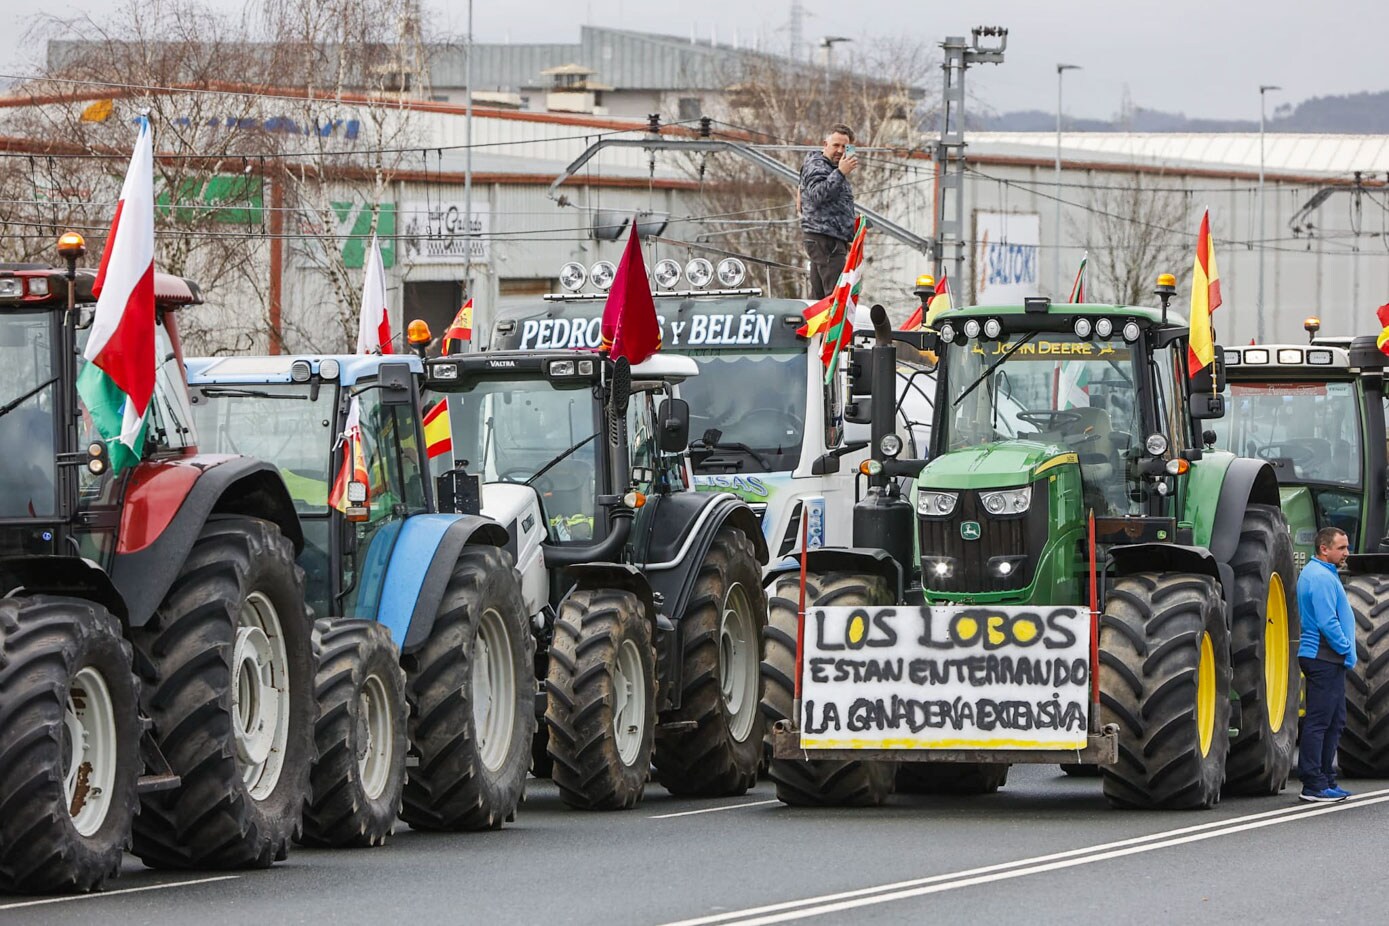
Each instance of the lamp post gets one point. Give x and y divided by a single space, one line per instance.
1061 69
1259 305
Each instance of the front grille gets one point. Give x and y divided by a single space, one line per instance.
1017 536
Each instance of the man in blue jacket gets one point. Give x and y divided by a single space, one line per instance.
1325 651
827 208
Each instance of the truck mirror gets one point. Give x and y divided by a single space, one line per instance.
859 411
861 371
1206 405
674 415
395 380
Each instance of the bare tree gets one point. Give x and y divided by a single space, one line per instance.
1138 229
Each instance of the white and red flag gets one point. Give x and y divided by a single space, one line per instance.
117 381
374 330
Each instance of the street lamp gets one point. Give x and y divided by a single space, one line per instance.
827 42
1259 305
1056 240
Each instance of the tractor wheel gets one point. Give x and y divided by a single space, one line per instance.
232 703
1364 751
69 745
951 777
816 782
1165 680
358 778
1264 631
721 639
601 708
472 697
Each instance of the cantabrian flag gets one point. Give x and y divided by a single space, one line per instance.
374 327
1078 287
816 317
1205 299
460 330
1383 339
438 432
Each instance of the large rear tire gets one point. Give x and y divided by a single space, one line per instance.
721 639
961 778
1264 631
816 782
232 703
69 745
472 694
1364 751
1165 680
601 708
359 776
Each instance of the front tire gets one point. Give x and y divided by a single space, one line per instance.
1165 680
601 708
817 782
1364 751
721 634
232 704
69 745
1264 631
473 700
359 776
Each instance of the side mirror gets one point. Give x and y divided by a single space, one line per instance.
860 410
395 380
1206 405
674 415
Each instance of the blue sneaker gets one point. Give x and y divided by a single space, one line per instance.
1324 796
1338 791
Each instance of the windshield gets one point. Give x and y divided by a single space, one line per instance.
1309 431
753 399
276 423
27 465
528 431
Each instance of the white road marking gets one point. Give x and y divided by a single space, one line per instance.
125 890
691 813
884 893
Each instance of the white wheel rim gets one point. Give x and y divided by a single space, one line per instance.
629 702
260 695
375 736
494 690
739 661
89 750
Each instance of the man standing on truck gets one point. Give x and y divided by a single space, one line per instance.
827 208
1325 652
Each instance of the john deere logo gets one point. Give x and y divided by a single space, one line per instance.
969 530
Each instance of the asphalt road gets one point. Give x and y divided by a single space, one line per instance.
1046 849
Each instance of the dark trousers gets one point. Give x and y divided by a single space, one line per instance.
827 257
1321 727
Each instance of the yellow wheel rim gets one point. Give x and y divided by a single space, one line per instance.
1205 695
1276 652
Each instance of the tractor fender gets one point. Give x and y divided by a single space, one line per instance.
863 560
1367 564
69 576
421 562
625 576
683 528
1133 558
1245 481
167 503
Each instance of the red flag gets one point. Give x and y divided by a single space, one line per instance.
630 328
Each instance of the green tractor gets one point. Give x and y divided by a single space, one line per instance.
1316 413
1072 506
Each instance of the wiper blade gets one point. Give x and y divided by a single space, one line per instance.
993 366
226 392
734 445
11 406
561 458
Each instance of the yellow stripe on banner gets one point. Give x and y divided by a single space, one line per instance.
1054 462
907 743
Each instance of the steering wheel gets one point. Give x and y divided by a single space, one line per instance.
1299 453
780 421
518 474
1043 420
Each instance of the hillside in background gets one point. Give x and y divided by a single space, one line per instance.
1351 114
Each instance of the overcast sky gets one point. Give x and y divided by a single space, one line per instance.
1199 57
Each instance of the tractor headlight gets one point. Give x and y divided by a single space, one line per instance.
938 567
572 276
890 445
1131 331
1007 501
699 272
947 333
936 504
1083 328
1156 445
300 371
731 272
992 329
1104 327
666 273
602 274
972 328
329 369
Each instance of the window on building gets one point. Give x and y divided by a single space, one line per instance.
690 108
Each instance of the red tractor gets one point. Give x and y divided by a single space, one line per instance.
155 653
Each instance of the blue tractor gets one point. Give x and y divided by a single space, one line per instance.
425 646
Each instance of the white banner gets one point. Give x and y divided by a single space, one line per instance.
1007 257
946 678
434 233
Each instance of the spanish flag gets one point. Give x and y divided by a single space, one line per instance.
1383 340
941 301
460 330
1205 299
816 317
438 432
354 461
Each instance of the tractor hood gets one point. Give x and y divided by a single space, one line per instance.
1005 463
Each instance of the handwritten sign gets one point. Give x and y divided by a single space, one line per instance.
946 678
748 329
